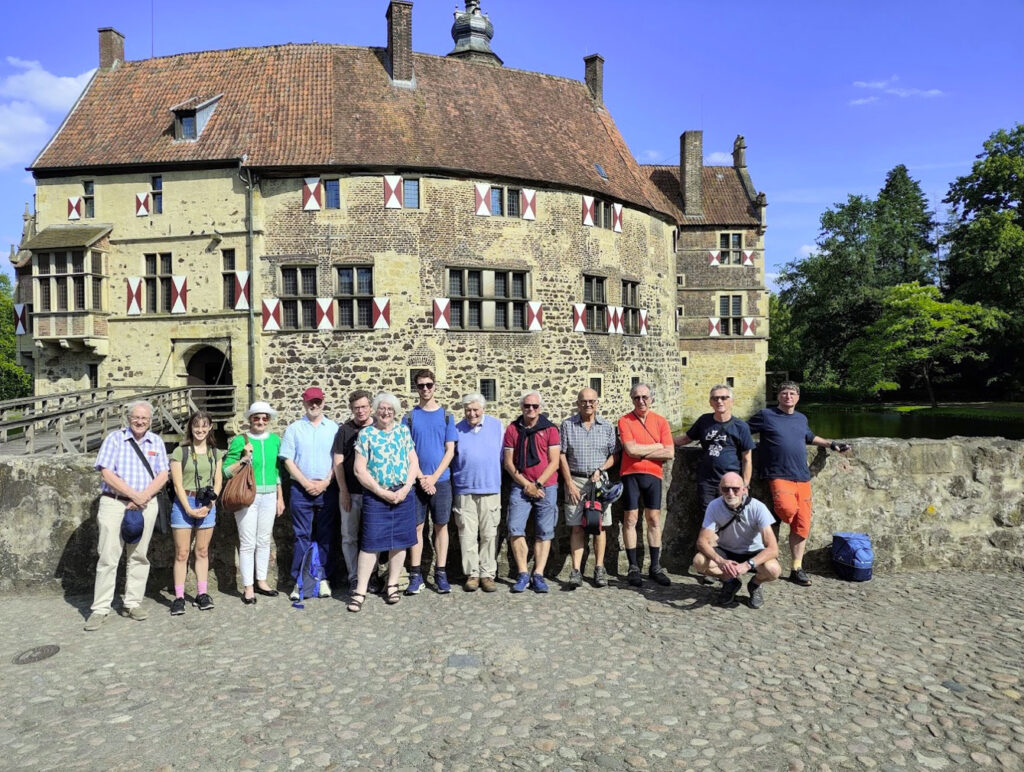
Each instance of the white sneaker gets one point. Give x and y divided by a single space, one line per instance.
294 595
325 589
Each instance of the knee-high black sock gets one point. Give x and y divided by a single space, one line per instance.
655 558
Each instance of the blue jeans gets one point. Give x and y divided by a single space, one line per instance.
545 510
315 517
439 505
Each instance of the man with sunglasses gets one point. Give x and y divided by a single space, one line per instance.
350 490
433 433
736 538
646 446
307 450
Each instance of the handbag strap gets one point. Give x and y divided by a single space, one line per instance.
142 456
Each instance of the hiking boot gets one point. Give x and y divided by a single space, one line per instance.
799 576
487 584
95 621
756 594
575 579
137 613
600 577
441 581
522 582
660 577
539 585
728 592
324 590
472 584
204 602
177 607
634 578
415 584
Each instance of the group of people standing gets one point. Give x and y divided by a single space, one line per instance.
368 488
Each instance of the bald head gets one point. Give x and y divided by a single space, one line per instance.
732 488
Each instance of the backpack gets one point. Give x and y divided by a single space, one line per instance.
311 572
852 556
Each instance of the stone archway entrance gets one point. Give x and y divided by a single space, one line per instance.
211 367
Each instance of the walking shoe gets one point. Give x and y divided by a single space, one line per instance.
487 584
324 590
95 621
204 601
600 577
441 581
658 575
472 584
294 596
177 607
138 613
539 585
756 594
728 592
375 585
799 576
415 584
634 578
575 579
521 583
701 579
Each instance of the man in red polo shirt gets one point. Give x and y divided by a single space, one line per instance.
646 446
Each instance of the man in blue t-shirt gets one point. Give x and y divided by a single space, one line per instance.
433 434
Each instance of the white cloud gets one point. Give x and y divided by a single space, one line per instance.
889 87
33 84
22 133
652 155
806 250
864 101
718 158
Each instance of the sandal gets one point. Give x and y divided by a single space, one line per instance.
392 595
355 603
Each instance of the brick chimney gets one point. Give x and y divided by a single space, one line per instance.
399 17
595 77
691 162
111 47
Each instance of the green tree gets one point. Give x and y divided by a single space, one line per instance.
905 250
14 381
917 337
785 351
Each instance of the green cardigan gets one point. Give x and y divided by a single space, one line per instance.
264 460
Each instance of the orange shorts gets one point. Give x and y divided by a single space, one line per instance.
792 505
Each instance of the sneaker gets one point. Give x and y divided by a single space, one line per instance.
294 596
658 575
204 601
756 594
95 621
521 583
600 577
728 592
487 584
575 579
539 585
799 576
324 590
138 613
177 607
634 578
472 584
441 581
415 584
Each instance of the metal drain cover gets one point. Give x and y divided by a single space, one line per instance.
38 654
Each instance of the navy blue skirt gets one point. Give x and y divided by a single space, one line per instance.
385 526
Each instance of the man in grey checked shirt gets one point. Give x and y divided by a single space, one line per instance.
589 446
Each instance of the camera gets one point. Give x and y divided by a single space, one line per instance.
206 496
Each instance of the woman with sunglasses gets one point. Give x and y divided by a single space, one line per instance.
258 446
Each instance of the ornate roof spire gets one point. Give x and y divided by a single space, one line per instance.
472 33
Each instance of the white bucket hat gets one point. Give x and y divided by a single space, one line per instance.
260 407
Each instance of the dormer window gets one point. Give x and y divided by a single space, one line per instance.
187 122
191 117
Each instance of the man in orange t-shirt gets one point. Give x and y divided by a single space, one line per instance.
646 446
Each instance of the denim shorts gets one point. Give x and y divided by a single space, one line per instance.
439 505
180 520
520 506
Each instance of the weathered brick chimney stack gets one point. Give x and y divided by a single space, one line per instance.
400 40
595 77
691 162
111 47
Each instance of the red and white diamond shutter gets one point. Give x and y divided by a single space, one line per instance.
20 318
579 317
142 204
714 257
614 318
134 284
588 210
392 191
271 314
179 294
534 315
714 327
643 321
617 218
482 199
749 326
748 257
442 314
242 291
75 208
325 313
312 194
528 203
381 313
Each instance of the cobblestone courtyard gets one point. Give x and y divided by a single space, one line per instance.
908 671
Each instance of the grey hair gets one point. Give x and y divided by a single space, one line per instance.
719 387
527 393
140 403
788 385
650 390
391 399
472 397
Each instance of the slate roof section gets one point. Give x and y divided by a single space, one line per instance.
66 237
725 199
318 106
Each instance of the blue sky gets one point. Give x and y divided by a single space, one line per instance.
829 95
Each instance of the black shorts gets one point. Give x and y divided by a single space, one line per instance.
641 488
737 557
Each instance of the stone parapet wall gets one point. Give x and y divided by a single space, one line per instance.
926 504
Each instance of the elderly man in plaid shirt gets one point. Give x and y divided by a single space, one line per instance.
128 484
589 447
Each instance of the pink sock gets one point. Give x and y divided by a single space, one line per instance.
179 591
201 588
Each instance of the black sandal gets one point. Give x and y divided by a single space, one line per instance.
355 604
392 596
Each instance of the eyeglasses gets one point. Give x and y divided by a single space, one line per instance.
642 398
530 406
730 489
314 402
586 402
720 398
259 418
424 386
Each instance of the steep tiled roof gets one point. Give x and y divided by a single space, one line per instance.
725 199
317 106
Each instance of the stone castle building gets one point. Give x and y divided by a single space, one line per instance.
323 214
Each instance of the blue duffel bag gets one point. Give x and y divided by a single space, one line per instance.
852 556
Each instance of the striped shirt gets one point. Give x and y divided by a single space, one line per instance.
587 449
118 455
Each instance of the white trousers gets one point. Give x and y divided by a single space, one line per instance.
255 527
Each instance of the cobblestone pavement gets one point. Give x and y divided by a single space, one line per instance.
908 671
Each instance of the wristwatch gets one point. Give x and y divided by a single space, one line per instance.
752 564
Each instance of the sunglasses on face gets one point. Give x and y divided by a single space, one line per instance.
721 398
730 489
423 386
314 402
260 418
530 406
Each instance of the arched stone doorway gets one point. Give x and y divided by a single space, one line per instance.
211 367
